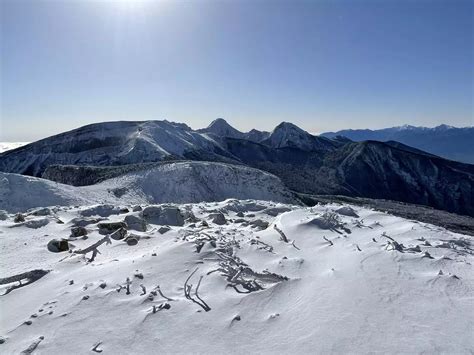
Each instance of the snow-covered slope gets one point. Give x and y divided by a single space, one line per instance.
235 277
174 182
4 146
111 143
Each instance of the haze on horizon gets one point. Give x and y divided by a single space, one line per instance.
322 65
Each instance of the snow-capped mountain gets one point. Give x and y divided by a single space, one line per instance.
220 128
445 141
112 143
179 182
232 277
305 163
288 135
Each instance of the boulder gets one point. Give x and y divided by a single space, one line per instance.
110 227
82 222
45 211
78 231
119 234
58 245
100 210
218 218
258 223
3 215
164 229
19 218
163 215
135 223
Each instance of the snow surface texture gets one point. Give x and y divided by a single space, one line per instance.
175 182
4 146
237 277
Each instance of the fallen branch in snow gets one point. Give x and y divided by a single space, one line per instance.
238 273
283 236
262 245
294 245
327 240
93 248
96 347
384 234
29 276
188 289
157 288
33 346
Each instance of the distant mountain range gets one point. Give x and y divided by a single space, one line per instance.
445 141
306 163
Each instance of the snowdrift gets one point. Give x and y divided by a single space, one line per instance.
233 277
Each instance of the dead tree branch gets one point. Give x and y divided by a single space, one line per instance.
188 289
282 235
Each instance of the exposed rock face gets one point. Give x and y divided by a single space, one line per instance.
166 215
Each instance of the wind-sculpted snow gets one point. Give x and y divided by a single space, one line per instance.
174 182
328 279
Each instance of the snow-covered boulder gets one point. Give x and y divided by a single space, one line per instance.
136 223
163 215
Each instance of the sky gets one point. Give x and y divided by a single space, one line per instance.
323 65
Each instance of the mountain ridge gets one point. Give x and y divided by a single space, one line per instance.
449 142
306 163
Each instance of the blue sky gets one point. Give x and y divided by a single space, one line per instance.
323 65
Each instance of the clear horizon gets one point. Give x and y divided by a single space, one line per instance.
322 65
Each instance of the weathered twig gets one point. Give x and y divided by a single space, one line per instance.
282 235
327 240
188 290
96 347
294 245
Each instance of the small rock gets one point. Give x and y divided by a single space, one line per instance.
58 245
85 297
131 241
78 231
164 229
19 218
137 208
